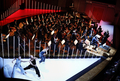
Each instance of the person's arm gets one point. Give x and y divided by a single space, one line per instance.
13 60
45 50
32 63
35 58
24 61
45 54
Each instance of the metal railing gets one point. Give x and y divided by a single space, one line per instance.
11 47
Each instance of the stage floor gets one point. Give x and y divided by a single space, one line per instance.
53 69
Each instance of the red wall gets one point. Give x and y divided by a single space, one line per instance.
79 5
100 12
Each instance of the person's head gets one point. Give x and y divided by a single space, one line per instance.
19 57
99 26
107 31
91 28
31 56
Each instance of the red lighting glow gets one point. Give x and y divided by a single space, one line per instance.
24 13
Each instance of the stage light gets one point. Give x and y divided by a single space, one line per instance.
75 42
52 32
49 43
63 41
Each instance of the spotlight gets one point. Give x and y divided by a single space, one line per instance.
63 41
49 43
75 42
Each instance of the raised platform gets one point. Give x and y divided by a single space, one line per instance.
56 69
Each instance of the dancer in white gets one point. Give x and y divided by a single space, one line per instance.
18 65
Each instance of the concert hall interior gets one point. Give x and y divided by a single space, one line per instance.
63 40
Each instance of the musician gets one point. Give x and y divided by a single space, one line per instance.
59 33
38 18
30 27
67 44
19 32
51 20
82 23
46 16
42 16
63 17
105 36
80 45
46 30
39 22
40 36
27 21
85 36
47 21
31 19
66 14
62 21
24 28
75 16
42 55
18 65
74 34
59 21
66 21
54 41
42 22
33 65
95 41
99 31
78 21
35 29
86 31
15 24
73 13
91 34
35 19
69 20
55 15
6 29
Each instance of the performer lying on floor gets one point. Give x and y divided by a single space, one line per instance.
33 65
42 53
18 65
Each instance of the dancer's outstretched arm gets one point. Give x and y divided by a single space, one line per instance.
24 61
13 60
35 58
